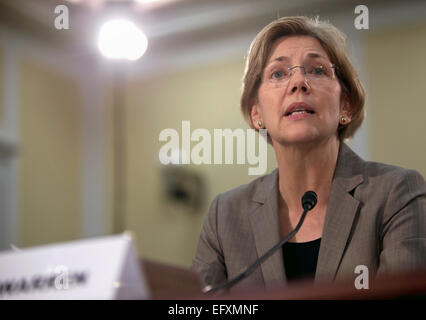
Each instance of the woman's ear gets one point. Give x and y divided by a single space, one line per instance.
346 110
256 116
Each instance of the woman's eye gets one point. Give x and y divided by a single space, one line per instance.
319 71
277 74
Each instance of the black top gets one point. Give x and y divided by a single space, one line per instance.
300 259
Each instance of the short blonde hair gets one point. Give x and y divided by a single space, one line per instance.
334 43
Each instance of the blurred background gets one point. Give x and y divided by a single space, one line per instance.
79 133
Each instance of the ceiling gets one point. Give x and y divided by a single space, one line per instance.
171 25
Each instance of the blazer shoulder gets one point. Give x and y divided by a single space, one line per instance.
393 182
390 172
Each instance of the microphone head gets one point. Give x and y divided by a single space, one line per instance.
309 200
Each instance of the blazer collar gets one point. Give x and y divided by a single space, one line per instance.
341 212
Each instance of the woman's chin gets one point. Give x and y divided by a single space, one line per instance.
299 137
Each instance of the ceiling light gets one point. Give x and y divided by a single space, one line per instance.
122 39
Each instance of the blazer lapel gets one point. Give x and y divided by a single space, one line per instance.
341 212
265 226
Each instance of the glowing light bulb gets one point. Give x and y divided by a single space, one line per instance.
122 39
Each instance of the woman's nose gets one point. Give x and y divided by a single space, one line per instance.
304 87
298 81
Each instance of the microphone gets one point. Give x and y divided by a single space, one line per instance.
309 200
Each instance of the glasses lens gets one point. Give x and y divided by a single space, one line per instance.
319 71
277 74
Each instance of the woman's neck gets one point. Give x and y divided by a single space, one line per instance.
306 167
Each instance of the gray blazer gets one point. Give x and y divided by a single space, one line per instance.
376 216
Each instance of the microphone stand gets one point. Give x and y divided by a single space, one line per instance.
254 265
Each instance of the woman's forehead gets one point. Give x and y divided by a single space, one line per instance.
285 48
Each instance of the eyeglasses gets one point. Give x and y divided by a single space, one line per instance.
280 74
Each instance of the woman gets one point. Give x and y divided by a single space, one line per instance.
299 84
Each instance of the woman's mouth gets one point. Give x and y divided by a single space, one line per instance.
299 110
298 115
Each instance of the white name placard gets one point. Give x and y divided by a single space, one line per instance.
100 268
